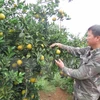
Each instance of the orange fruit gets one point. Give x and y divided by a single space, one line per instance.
15 5
42 57
19 62
58 51
25 99
20 47
1 34
11 30
32 96
54 18
23 92
2 16
32 80
62 15
37 16
60 11
29 46
14 65
43 20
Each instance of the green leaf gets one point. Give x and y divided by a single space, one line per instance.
1 3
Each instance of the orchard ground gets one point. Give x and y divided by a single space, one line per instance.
58 94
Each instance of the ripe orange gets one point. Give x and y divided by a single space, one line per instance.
37 16
54 18
32 96
42 57
15 5
29 46
32 80
62 15
60 11
14 65
2 16
20 47
58 51
19 62
25 99
11 30
1 34
23 92
43 20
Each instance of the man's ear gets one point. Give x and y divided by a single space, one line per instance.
98 37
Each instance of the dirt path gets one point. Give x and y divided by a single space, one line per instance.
58 94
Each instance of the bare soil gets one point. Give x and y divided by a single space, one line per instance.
58 94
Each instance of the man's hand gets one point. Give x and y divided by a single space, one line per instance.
59 63
55 44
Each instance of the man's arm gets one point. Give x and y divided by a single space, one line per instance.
76 51
84 72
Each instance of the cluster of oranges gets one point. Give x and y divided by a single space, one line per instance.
23 92
29 47
19 63
2 17
21 47
61 12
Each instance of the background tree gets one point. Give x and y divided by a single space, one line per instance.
25 37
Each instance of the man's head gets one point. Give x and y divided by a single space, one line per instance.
95 30
93 36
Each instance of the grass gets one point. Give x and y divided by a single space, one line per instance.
43 84
65 83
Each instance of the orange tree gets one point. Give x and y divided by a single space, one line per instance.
25 36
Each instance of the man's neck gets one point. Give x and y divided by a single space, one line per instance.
96 46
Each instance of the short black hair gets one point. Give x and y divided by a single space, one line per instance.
95 30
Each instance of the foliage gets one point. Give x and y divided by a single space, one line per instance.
57 81
63 81
43 84
67 84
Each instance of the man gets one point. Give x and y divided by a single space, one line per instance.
87 76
